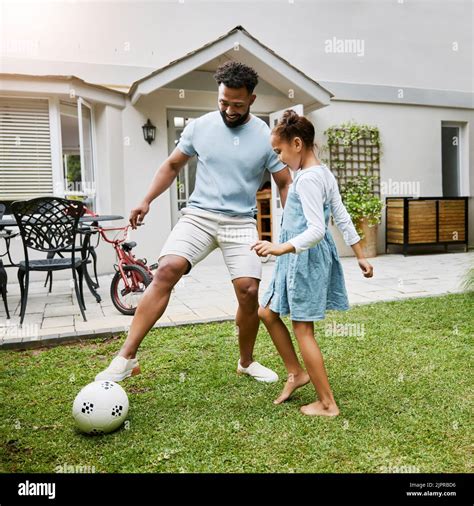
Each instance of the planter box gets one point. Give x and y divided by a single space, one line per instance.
369 242
426 221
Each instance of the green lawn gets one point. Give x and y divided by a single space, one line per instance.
404 391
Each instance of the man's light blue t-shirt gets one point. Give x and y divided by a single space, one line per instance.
231 163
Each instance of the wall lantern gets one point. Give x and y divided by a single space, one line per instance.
149 131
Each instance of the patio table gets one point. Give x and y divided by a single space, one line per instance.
86 219
11 222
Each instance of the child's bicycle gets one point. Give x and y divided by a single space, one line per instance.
132 275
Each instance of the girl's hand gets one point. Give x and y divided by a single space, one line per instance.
265 248
367 269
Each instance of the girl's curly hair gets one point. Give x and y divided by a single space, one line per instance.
236 75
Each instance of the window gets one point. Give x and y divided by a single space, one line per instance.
77 154
71 153
25 149
26 167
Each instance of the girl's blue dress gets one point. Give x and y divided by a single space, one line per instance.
307 284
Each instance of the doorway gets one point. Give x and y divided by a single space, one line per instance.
450 160
183 185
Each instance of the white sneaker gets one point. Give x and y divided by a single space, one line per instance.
119 369
259 372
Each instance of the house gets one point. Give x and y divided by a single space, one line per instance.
50 123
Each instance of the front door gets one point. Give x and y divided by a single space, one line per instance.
450 160
183 185
277 209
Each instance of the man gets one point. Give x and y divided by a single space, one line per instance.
233 149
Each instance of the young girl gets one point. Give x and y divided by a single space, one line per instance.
308 277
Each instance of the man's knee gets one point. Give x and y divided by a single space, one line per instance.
247 293
170 270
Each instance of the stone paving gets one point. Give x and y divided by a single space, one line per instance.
207 295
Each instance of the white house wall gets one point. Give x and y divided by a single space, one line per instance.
409 43
141 161
109 176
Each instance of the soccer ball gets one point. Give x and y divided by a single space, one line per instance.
100 407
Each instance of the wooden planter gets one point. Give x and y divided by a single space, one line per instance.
426 221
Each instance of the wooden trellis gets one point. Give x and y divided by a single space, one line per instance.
361 157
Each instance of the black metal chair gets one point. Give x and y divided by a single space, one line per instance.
3 273
87 250
49 224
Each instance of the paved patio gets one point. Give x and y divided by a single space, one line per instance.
207 295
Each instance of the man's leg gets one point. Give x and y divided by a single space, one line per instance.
247 320
154 301
235 236
151 306
191 240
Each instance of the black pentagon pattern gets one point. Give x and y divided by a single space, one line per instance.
117 410
97 432
106 385
87 408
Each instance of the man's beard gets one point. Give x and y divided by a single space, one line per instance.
242 119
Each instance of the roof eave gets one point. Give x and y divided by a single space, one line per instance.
63 85
237 39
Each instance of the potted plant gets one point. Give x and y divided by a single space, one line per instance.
365 209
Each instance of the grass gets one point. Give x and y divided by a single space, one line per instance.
403 389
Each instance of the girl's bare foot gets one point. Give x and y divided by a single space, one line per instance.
317 408
293 382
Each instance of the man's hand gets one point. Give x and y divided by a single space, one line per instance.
265 248
137 215
162 180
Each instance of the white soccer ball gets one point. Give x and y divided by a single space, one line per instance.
100 407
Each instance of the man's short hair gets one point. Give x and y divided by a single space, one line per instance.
236 75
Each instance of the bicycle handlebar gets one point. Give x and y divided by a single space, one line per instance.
103 230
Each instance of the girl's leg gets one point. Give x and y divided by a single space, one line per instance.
297 376
313 359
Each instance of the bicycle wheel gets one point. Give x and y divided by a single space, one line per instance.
126 295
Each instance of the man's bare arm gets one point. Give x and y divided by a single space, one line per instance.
283 180
162 180
166 174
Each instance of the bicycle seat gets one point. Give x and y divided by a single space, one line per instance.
128 246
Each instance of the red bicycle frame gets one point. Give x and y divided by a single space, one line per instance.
124 257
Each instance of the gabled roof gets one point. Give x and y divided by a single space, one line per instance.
239 45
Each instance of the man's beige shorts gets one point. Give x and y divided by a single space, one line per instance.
199 232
